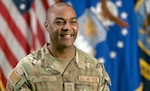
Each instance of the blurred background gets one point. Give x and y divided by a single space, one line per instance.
116 32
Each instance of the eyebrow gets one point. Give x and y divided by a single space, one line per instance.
64 19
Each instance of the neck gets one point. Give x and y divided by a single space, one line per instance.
62 52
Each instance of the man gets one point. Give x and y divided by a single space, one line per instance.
59 65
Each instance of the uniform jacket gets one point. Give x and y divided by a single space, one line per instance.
40 71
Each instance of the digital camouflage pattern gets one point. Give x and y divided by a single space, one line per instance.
40 71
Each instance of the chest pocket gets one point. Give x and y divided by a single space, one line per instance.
46 83
84 80
87 83
87 80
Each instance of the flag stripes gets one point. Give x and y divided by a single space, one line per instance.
21 32
11 58
14 29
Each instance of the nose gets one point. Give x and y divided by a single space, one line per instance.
67 26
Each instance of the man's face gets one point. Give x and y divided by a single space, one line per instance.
62 26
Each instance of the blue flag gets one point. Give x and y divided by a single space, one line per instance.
122 55
107 30
143 23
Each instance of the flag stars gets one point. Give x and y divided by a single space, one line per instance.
22 6
113 54
124 32
118 3
101 60
124 15
120 44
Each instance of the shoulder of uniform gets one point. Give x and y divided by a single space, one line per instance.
35 56
87 60
15 78
25 66
104 73
87 56
91 62
32 58
28 63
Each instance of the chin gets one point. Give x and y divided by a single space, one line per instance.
67 45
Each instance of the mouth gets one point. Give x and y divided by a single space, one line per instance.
66 36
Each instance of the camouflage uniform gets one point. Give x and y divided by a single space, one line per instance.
40 71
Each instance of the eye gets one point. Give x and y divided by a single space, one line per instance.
73 22
59 22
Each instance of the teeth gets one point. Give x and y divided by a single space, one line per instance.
67 35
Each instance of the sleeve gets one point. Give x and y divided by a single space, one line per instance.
105 79
16 80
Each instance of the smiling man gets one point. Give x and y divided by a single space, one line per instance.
62 27
59 65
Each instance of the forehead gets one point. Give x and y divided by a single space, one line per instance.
60 5
62 10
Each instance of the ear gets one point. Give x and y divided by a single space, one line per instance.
46 26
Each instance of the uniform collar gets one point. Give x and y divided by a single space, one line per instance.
50 62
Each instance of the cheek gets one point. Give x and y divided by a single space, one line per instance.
55 28
54 32
76 29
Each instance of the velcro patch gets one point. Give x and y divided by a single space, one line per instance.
19 71
69 86
88 78
14 77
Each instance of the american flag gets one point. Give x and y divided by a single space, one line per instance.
21 31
